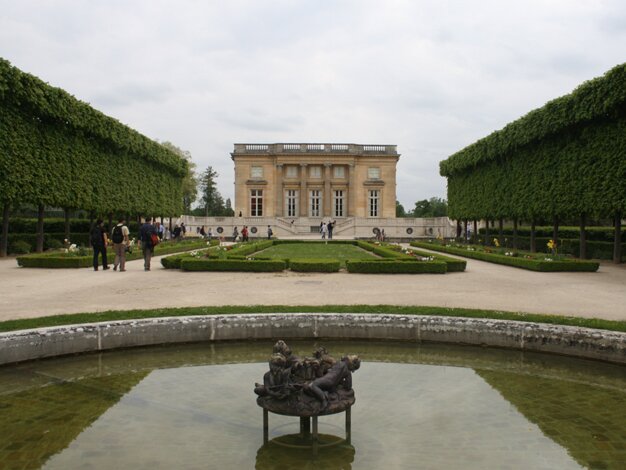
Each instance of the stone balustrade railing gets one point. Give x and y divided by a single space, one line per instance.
357 149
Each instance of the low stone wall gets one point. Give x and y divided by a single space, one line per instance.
567 340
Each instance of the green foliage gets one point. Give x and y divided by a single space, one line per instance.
454 264
315 265
383 251
60 152
59 259
190 181
433 207
197 264
564 159
19 247
212 202
244 249
400 211
396 267
532 264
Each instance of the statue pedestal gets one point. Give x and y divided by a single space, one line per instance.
308 420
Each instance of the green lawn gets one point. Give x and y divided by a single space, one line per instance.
316 250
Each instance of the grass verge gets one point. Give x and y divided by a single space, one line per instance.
114 315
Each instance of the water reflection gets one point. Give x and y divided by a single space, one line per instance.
275 456
192 406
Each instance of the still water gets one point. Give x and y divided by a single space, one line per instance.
426 406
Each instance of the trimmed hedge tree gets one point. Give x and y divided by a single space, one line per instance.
58 151
566 159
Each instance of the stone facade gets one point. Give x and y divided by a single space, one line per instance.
315 181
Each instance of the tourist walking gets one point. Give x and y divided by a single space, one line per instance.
98 241
177 231
210 233
330 226
183 229
235 234
202 232
119 236
324 230
146 240
269 232
244 233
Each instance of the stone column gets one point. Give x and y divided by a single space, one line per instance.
278 209
327 196
351 190
303 191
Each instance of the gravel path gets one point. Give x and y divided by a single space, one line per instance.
27 292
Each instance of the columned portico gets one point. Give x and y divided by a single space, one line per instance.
315 181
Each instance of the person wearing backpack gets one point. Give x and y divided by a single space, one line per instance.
119 236
97 239
147 241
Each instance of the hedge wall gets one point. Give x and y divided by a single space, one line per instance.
518 262
315 265
396 267
564 160
197 264
58 151
454 264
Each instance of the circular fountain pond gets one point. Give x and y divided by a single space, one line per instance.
417 405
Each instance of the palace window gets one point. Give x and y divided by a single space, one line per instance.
338 203
339 172
315 172
256 172
292 203
373 200
292 171
314 206
256 202
373 173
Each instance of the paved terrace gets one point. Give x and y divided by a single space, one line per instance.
28 292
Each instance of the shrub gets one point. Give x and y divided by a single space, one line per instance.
315 265
20 247
519 262
206 264
54 244
454 265
396 267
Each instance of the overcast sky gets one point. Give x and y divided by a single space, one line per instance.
429 76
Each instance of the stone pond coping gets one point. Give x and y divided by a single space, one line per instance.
24 345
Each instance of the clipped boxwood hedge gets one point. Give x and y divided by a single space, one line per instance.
518 262
396 267
207 264
315 265
454 264
60 260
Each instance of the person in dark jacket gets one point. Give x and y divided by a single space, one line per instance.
98 242
145 239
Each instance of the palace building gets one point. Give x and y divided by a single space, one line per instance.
315 180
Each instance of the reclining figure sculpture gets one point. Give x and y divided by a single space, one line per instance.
307 386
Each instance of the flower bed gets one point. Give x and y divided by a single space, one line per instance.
531 261
454 264
83 258
250 257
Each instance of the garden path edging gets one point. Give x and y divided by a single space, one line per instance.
24 345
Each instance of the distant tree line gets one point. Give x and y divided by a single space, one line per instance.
433 207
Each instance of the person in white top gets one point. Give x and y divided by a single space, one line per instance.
324 230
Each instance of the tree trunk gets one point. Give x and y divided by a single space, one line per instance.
487 233
39 247
66 213
617 241
170 224
555 231
465 230
475 232
501 231
4 239
533 242
515 233
583 237
458 229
